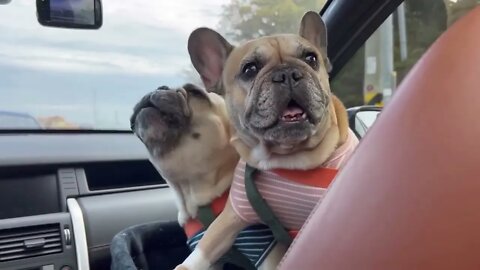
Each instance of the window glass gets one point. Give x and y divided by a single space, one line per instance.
12 121
379 66
84 79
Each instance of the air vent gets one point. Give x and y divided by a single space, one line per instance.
26 242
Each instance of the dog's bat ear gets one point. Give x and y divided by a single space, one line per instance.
208 52
313 29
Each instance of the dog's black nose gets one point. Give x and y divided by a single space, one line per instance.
279 76
287 75
296 75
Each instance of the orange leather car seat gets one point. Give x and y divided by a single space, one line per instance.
409 198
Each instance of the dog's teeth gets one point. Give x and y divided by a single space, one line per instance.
294 117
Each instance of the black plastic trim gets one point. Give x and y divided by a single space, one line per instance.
350 24
101 176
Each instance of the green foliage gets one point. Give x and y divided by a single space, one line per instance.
459 8
426 20
348 84
247 19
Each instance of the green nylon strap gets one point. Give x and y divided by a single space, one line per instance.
206 216
263 210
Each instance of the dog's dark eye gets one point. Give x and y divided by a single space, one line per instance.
311 59
249 70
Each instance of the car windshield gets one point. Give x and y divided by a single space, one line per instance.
52 78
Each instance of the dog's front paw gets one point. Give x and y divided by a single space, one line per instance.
191 208
182 217
195 261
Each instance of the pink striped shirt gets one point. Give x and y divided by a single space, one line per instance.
291 201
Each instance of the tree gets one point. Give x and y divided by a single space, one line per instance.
426 20
246 19
459 8
192 76
348 84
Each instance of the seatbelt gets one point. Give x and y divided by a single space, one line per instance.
206 216
263 210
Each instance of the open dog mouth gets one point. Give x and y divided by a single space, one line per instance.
293 113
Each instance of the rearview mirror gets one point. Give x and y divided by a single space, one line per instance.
78 14
362 118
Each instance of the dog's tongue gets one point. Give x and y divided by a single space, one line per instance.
293 114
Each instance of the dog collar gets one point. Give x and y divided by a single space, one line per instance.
205 216
319 177
193 226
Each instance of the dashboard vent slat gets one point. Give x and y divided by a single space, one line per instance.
29 237
16 243
15 234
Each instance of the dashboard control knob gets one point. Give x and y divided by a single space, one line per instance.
68 238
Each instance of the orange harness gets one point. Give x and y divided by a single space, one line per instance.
317 178
193 226
320 177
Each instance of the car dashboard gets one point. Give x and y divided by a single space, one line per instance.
63 196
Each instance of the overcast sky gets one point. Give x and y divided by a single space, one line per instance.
142 45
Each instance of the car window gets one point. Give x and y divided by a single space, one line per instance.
15 120
91 79
372 75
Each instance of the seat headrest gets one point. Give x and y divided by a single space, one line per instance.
409 198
